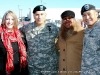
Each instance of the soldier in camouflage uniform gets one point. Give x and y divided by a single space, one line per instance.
40 36
91 48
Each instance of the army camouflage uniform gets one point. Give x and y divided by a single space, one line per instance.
42 54
91 51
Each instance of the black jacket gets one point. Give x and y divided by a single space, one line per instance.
3 57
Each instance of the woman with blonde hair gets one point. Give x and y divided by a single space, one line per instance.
13 58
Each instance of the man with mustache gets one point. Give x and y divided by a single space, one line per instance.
91 47
70 44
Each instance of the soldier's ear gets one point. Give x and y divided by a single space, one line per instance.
45 14
97 13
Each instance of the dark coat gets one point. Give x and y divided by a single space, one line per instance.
3 57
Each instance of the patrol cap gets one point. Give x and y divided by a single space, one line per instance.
87 7
68 13
39 8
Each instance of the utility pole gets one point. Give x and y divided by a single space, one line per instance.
21 14
41 2
19 11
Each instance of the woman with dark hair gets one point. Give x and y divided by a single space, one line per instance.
13 58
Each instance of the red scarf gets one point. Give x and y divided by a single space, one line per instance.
7 38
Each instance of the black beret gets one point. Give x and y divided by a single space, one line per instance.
68 13
39 8
87 7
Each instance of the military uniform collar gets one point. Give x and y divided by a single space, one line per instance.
38 26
